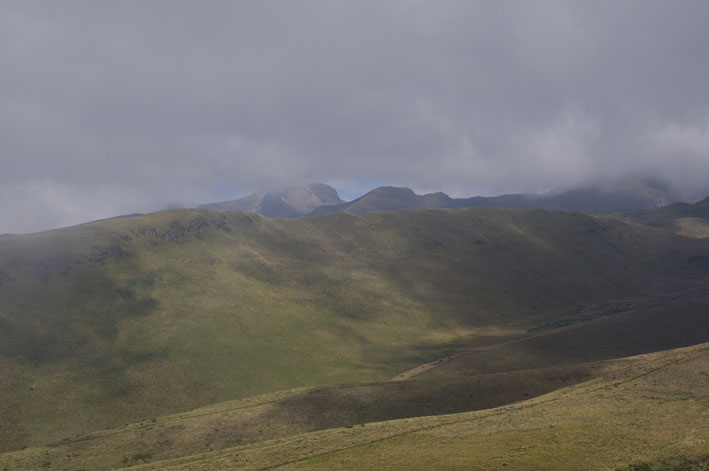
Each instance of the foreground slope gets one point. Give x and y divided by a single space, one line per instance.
638 409
132 318
287 413
515 367
657 407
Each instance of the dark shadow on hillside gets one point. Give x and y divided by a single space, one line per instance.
676 319
337 406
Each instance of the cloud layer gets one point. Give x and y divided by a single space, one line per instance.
114 107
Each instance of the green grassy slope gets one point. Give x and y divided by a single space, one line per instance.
648 408
279 415
132 318
457 384
654 409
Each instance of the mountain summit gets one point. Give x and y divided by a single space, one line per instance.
290 202
316 199
613 197
389 198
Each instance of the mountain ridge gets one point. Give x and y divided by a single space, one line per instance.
315 199
388 198
291 202
691 220
621 197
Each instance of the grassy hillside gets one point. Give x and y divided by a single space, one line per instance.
614 414
133 318
287 413
653 410
690 220
460 383
616 329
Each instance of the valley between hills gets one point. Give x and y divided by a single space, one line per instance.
471 338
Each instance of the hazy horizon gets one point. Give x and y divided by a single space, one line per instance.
121 107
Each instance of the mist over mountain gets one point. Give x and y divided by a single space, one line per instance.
289 202
389 198
123 108
617 196
691 220
317 199
505 264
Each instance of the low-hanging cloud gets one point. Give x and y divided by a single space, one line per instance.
115 107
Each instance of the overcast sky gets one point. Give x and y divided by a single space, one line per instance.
111 107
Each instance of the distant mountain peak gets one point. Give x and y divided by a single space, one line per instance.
287 202
704 202
392 190
389 198
314 199
616 196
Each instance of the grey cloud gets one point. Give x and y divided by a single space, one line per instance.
143 103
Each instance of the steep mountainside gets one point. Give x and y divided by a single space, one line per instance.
289 203
131 318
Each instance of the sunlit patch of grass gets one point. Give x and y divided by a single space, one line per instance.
146 316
